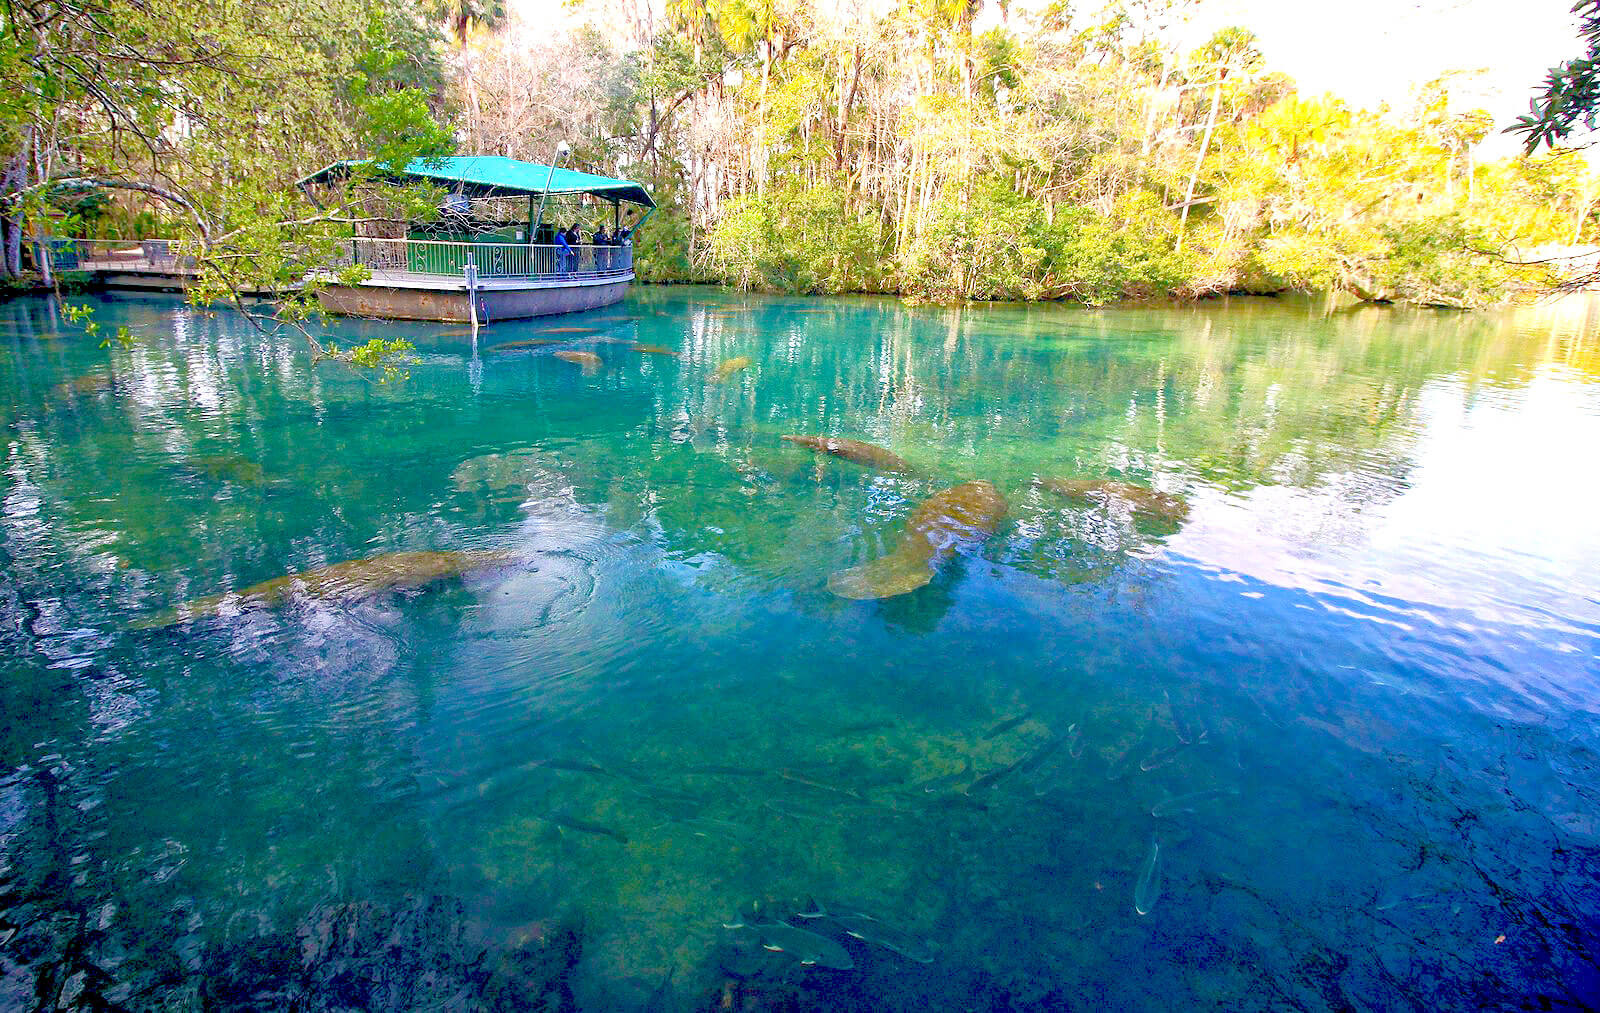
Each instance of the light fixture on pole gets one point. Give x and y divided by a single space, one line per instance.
562 151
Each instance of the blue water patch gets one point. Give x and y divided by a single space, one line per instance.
522 683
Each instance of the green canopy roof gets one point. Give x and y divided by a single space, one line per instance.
498 176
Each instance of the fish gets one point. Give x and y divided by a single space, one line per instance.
588 360
1007 725
993 777
1162 757
1149 503
1022 764
730 367
862 453
1038 756
958 800
576 766
791 776
1074 741
512 346
806 947
654 350
873 930
584 827
724 770
958 518
1126 761
947 781
1148 889
352 580
1187 803
1189 728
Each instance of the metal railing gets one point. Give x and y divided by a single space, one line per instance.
136 255
493 260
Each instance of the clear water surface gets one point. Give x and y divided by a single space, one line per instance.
1325 737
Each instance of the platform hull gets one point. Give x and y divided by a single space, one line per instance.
499 300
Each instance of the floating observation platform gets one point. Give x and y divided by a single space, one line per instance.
477 263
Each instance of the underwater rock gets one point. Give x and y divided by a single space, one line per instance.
588 360
867 454
730 367
943 524
352 580
1150 503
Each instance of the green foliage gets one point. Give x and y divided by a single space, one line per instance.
1571 92
796 238
387 358
1002 245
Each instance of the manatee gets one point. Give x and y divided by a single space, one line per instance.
513 346
943 524
514 469
234 467
730 367
588 360
88 384
569 330
654 350
352 580
1150 503
870 455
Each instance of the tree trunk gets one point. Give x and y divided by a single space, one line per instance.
1194 177
11 220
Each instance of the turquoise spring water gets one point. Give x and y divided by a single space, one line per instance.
1322 736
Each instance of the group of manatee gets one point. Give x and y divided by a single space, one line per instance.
955 519
959 518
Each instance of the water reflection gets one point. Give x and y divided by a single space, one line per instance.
1274 589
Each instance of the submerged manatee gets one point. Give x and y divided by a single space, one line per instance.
653 350
513 346
867 454
943 524
1155 505
511 469
232 467
730 367
588 360
88 385
352 580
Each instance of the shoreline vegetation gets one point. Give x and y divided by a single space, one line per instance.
937 151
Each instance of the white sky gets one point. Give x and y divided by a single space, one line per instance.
1371 51
1366 51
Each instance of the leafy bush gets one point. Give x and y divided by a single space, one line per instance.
1001 246
796 238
